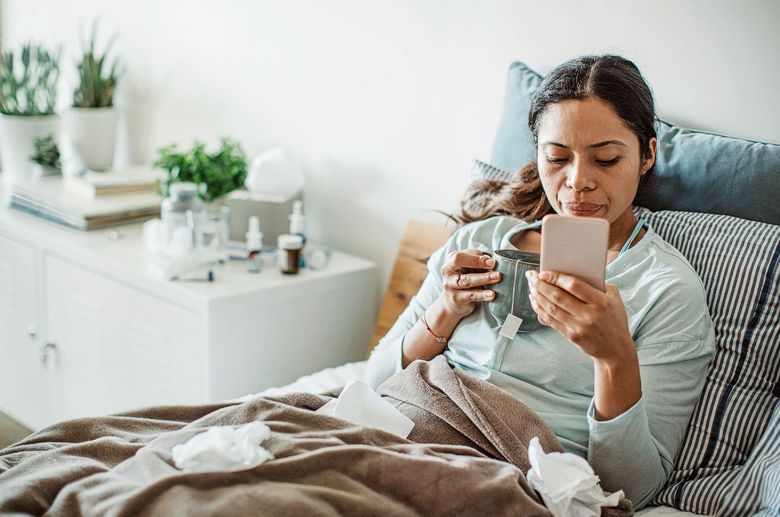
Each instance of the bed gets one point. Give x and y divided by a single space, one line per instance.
122 464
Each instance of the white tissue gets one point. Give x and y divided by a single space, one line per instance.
361 405
272 173
567 483
224 448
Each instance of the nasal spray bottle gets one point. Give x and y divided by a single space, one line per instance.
298 225
254 243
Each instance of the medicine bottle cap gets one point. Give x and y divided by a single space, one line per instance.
254 237
288 241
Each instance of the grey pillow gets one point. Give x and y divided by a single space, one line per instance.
695 171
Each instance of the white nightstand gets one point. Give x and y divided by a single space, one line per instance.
86 329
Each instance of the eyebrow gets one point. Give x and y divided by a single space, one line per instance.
593 146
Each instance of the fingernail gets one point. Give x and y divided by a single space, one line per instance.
544 275
494 276
490 262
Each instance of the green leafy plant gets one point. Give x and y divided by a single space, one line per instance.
31 88
46 152
97 79
217 174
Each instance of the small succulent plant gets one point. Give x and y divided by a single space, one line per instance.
46 152
97 78
31 88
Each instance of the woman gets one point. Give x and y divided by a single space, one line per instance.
615 374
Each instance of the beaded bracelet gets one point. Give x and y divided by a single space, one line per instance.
439 339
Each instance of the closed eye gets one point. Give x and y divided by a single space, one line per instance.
608 163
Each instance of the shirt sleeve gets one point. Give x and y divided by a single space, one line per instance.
635 451
385 359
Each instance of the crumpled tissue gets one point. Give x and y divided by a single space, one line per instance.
224 448
567 483
361 405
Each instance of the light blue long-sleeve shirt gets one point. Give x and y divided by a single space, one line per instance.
669 323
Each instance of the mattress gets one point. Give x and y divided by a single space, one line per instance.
332 378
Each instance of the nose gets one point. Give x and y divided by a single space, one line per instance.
579 176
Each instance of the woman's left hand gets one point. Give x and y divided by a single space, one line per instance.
595 321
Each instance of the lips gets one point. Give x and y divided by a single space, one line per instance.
582 209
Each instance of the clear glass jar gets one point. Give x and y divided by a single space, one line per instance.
182 209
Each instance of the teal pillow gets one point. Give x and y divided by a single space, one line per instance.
513 145
695 171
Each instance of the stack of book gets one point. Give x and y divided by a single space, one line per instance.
89 201
95 184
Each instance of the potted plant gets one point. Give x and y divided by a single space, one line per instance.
28 93
46 157
217 174
91 122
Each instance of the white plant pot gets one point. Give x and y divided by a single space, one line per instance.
92 134
17 142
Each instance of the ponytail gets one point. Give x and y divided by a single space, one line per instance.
522 197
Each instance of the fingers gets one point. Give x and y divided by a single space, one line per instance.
542 304
571 284
470 280
464 296
545 318
460 261
553 296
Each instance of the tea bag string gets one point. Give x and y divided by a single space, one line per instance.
514 288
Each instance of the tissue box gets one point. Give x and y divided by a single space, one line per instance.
273 211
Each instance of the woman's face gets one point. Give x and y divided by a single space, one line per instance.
589 163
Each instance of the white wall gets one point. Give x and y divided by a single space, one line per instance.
386 102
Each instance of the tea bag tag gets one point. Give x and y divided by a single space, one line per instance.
511 325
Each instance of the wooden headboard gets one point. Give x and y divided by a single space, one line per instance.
419 241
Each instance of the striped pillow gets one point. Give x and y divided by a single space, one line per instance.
739 263
484 171
756 490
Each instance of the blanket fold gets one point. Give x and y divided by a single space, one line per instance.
466 456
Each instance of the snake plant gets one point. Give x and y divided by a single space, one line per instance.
31 88
97 78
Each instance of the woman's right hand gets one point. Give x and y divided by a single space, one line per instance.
463 275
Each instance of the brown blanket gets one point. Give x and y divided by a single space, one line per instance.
467 455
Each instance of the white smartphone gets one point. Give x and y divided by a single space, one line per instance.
577 246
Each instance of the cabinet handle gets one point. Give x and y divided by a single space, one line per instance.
49 348
31 330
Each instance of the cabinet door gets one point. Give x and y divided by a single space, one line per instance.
22 374
118 348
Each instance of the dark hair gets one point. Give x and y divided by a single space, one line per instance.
613 79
